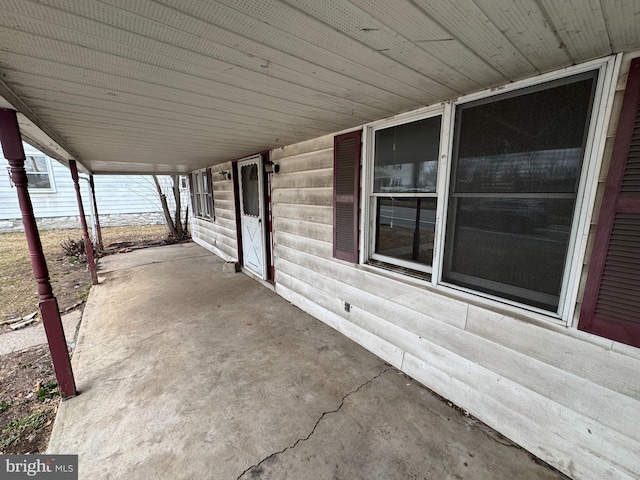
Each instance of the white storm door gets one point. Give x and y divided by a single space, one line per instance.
251 215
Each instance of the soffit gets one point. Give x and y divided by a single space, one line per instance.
143 86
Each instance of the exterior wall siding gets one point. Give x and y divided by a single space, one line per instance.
571 398
219 236
122 200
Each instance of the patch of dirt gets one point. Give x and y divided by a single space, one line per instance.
29 395
69 275
28 401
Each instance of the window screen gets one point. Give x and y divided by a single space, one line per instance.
515 173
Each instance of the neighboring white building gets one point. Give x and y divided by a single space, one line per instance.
122 199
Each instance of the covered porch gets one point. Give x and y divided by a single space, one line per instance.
189 370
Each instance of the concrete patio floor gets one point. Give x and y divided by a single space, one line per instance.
187 370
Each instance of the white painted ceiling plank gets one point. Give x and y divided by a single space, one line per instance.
623 19
221 19
269 23
152 92
581 26
74 55
95 35
420 28
524 24
65 103
474 29
75 121
392 44
213 133
222 95
347 30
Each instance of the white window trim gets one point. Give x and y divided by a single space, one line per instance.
198 207
369 195
602 107
47 159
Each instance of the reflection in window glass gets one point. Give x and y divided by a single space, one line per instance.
37 172
250 190
406 157
405 228
516 167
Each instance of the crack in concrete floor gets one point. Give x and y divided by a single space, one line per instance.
324 414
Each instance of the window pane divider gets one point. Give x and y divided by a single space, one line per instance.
404 195
515 195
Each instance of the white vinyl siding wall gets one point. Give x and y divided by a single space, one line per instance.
119 198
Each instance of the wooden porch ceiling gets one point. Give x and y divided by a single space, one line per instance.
140 86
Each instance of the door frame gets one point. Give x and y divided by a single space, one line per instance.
266 205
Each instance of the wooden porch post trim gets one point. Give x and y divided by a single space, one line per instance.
95 212
88 245
11 141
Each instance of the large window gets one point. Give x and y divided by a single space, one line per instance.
516 167
483 195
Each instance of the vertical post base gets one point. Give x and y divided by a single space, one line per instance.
58 347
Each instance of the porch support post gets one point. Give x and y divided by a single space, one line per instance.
95 211
12 147
88 245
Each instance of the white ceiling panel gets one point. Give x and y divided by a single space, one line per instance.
174 85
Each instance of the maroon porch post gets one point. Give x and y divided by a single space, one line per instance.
95 212
12 147
88 245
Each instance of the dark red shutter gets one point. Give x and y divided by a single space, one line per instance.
611 306
212 214
192 193
346 186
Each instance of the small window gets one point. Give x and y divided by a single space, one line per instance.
404 196
250 197
38 168
202 194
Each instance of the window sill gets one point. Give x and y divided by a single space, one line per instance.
423 280
39 191
403 271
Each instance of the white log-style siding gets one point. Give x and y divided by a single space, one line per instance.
571 398
219 235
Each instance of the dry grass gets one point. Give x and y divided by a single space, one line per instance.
70 279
